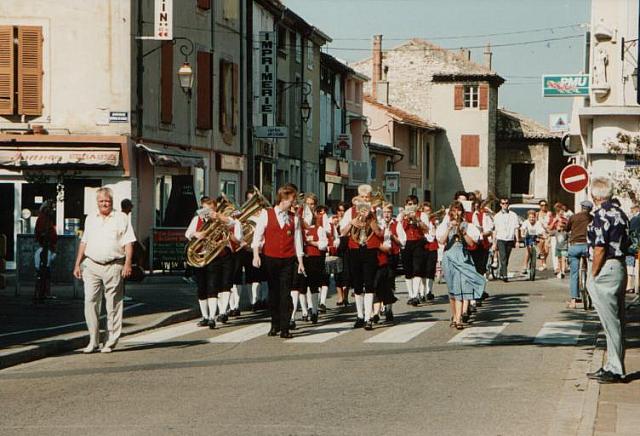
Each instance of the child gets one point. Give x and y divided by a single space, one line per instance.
532 230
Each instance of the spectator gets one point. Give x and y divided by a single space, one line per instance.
544 217
607 237
578 248
505 236
126 206
634 232
561 242
47 238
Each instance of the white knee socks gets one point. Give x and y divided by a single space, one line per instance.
409 287
234 300
204 309
213 307
323 294
223 302
417 286
314 302
294 296
368 306
303 304
255 287
429 286
360 305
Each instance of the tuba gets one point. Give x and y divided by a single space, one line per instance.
201 252
250 208
362 234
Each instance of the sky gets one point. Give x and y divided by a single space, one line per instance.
552 31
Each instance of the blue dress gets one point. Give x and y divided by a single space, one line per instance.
462 279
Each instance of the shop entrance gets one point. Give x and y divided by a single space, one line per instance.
6 216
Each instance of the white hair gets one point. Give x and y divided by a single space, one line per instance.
104 191
601 188
364 190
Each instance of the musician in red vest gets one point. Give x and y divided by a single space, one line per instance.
278 233
315 250
431 253
411 233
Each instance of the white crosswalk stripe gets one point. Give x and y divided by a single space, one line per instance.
322 333
478 335
243 334
163 335
402 333
559 333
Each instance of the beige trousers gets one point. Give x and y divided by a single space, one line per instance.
98 280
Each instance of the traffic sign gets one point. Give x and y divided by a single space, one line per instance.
574 178
343 141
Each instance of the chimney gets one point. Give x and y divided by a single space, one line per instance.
376 75
487 55
465 53
382 88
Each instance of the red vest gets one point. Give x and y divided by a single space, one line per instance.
433 245
484 242
374 241
333 251
312 250
468 217
393 228
413 233
351 243
383 258
279 242
199 224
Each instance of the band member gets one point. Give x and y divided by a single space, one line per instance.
224 297
431 253
315 248
411 233
321 213
215 277
342 289
385 275
278 232
365 238
483 221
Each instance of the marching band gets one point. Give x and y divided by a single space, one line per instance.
296 247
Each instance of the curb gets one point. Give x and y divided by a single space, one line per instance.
51 347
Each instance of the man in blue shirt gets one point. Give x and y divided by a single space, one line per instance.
608 239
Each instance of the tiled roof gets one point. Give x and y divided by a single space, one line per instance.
384 148
512 125
401 115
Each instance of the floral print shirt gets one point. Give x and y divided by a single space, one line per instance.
609 229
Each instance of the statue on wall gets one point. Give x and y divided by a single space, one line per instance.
600 61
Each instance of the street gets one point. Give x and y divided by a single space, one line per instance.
502 375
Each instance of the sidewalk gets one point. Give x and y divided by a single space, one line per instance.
619 404
31 331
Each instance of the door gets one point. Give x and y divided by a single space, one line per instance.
7 202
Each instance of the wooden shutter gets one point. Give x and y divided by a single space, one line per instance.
204 107
204 4
484 97
166 82
6 70
235 98
222 107
470 151
458 97
29 70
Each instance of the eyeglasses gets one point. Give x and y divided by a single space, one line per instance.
504 202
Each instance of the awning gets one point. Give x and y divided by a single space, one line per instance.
171 156
30 156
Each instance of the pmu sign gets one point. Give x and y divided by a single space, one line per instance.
267 73
565 85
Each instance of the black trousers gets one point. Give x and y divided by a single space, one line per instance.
314 267
382 285
504 249
480 257
413 259
363 263
393 270
215 277
279 274
243 262
430 263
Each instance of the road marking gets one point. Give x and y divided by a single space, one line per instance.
559 333
57 327
243 334
478 335
402 333
165 334
322 333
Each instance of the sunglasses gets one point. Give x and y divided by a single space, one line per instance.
504 202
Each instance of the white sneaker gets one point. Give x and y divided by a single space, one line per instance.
559 275
91 348
106 349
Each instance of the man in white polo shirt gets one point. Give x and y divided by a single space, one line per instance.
105 253
505 235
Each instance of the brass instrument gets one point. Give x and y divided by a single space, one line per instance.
361 234
250 208
201 252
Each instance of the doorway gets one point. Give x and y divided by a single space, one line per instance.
7 201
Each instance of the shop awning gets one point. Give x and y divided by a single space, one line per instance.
29 156
171 156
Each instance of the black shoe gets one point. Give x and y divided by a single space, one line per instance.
608 377
430 297
223 318
203 322
305 317
415 302
286 334
465 318
368 325
479 303
359 323
505 279
254 308
423 299
212 323
596 375
292 325
375 319
484 295
410 301
314 318
274 331
323 308
345 303
388 316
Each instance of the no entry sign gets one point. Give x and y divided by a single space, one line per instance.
574 178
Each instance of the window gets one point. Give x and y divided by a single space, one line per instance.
470 150
281 105
228 100
310 121
521 178
373 167
282 42
310 58
298 44
204 102
471 96
166 82
413 147
389 165
427 160
230 9
205 5
21 68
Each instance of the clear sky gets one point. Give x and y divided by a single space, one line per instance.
351 24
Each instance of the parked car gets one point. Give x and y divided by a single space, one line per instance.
521 209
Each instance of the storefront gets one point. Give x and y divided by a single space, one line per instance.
264 168
336 177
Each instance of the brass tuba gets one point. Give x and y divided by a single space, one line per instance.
201 252
250 208
362 234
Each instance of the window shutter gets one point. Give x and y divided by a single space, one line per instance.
470 151
223 96
458 98
204 4
166 82
484 97
29 70
235 98
6 70
204 118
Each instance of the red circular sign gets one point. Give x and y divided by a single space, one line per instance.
574 178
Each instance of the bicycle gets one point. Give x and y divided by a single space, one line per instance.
582 284
492 267
533 257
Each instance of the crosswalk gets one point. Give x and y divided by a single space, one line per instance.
553 333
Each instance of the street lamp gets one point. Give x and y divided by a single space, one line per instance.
185 75
305 110
366 138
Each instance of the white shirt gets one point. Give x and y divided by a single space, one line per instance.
323 241
402 235
506 225
283 217
486 225
529 229
105 238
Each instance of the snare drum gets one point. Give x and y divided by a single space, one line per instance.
333 264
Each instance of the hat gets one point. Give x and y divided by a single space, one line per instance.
586 204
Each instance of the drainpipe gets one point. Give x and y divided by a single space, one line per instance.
249 83
139 72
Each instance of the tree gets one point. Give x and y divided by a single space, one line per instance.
626 183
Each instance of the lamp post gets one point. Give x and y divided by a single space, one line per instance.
305 115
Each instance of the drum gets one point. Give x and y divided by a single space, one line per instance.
333 264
